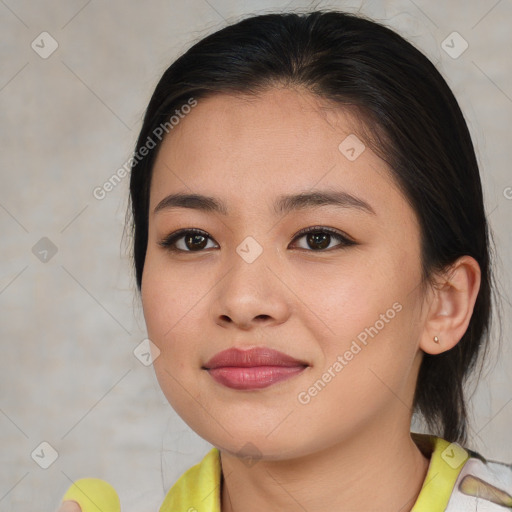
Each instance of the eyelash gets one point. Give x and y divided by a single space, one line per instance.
169 241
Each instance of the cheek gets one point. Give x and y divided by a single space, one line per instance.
372 320
175 316
157 306
171 326
351 299
167 301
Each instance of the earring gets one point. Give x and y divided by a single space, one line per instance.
436 339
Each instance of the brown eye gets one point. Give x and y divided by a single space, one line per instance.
319 238
194 240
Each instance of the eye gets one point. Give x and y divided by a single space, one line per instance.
319 237
195 240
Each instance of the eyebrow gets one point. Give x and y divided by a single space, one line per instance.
283 205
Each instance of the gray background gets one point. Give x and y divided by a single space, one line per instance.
70 323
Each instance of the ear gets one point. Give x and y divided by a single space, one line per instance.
451 307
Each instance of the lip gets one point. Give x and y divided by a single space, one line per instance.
254 368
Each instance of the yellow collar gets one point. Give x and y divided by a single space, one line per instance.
446 463
199 488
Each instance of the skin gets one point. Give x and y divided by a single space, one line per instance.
70 506
349 448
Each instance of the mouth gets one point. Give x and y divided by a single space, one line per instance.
252 369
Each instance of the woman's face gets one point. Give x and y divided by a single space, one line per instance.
348 309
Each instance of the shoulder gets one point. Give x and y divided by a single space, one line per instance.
461 480
483 485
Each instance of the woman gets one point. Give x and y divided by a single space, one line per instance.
312 253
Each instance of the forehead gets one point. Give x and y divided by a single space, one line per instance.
280 141
282 118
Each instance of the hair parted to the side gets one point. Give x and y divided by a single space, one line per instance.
411 119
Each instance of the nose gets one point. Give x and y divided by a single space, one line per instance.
252 294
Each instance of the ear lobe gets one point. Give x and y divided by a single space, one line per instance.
455 293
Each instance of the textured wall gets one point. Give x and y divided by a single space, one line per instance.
69 315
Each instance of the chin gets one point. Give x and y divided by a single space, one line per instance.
252 444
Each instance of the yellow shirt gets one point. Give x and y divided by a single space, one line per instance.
457 479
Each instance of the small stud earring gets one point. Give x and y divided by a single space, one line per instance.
436 339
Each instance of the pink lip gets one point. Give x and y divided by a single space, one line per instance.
252 369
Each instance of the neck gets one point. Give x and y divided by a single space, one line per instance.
378 468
